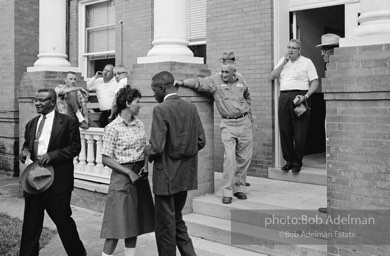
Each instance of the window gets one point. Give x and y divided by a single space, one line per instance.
196 27
97 35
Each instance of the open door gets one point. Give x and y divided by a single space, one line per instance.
309 26
307 21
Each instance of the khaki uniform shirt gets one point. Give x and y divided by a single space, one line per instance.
232 99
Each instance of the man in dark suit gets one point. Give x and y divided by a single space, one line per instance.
176 137
56 142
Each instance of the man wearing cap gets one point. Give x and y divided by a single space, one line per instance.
52 140
328 43
232 98
298 81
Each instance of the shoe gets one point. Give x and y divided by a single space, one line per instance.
287 167
227 200
240 195
296 169
323 209
84 125
247 184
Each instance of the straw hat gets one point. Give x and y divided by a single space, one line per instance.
36 179
329 40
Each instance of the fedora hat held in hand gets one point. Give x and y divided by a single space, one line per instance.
228 56
329 40
36 179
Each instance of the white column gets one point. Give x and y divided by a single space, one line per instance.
170 43
52 37
374 24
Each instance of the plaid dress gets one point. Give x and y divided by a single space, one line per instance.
129 209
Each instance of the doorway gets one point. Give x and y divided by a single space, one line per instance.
308 26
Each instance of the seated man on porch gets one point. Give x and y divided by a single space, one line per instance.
71 100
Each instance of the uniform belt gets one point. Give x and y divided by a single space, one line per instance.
235 117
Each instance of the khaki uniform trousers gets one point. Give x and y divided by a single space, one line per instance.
237 139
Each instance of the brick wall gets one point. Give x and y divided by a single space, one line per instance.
357 98
137 25
245 27
18 50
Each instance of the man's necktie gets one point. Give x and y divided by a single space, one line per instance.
39 132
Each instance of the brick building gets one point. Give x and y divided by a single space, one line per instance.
148 36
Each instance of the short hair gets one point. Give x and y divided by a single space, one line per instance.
163 78
296 41
52 93
68 73
126 94
120 68
109 65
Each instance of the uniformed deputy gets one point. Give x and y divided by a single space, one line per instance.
232 98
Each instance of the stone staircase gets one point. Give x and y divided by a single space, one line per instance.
242 223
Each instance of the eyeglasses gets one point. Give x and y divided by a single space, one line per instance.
41 100
119 73
292 48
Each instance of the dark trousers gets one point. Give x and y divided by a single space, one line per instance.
58 208
293 129
103 120
171 231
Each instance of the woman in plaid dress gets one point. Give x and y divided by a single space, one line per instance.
129 204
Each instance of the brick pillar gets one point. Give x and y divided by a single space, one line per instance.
142 76
357 95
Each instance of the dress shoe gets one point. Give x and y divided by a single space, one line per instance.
323 209
296 169
226 200
240 195
287 167
247 184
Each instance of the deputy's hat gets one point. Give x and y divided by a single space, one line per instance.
329 40
228 57
36 179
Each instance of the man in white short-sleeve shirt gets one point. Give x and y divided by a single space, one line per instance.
105 86
298 81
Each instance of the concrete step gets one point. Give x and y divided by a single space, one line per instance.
309 175
267 198
277 193
259 214
252 238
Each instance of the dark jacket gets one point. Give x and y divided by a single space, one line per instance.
176 137
64 146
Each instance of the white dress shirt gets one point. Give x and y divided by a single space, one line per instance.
44 139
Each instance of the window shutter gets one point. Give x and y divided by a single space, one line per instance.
196 20
100 27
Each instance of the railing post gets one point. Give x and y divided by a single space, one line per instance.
82 152
90 153
99 144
